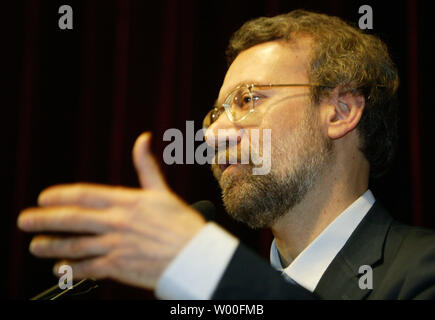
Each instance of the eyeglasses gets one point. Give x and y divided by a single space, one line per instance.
240 103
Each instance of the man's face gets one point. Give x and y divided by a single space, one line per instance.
299 148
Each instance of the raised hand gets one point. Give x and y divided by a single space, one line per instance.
126 234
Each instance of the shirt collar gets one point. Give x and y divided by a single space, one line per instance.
312 262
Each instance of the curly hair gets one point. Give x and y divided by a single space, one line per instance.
342 56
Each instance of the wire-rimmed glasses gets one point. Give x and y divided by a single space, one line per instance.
240 102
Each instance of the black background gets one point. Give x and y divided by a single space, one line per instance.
73 102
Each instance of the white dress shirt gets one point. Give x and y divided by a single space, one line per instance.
196 271
310 265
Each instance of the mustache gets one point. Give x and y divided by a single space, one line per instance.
254 155
233 156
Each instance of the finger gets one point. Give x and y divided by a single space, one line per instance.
148 170
71 247
98 268
88 195
66 219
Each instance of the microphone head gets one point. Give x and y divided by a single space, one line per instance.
206 208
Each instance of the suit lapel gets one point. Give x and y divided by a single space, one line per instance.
364 247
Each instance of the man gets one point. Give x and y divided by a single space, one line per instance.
326 91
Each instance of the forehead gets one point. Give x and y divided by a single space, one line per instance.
270 62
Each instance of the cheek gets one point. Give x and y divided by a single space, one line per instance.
289 135
282 121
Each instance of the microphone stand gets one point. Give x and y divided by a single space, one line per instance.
56 293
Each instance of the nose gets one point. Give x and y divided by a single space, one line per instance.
222 131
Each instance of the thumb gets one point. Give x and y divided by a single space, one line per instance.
147 168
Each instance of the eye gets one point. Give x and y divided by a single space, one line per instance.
247 100
256 97
244 100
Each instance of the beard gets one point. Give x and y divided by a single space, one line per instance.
260 200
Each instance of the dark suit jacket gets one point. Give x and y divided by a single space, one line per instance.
402 259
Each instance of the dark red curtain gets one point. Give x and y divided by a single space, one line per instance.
75 100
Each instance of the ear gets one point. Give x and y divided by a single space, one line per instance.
343 112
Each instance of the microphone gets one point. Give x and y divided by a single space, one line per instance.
205 207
